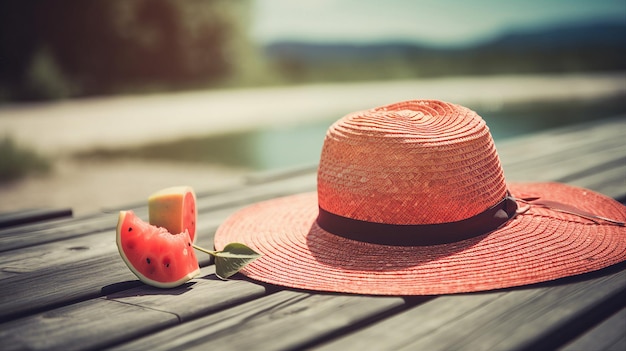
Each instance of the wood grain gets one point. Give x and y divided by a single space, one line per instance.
40 233
536 317
610 335
93 260
11 219
85 325
126 314
66 283
284 320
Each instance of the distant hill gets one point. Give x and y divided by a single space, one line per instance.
570 47
570 35
316 52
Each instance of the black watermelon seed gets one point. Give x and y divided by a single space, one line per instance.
148 260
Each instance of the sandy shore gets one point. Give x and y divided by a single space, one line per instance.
59 129
71 125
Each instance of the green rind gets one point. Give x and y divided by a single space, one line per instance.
139 275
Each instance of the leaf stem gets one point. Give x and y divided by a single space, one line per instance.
212 253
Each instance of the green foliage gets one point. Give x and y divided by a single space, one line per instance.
16 161
45 79
232 259
99 47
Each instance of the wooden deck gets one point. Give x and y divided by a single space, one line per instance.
64 286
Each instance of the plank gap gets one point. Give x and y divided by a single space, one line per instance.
348 330
584 322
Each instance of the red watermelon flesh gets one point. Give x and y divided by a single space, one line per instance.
174 209
156 256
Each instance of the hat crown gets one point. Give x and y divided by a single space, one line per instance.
414 162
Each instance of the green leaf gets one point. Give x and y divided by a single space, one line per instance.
233 258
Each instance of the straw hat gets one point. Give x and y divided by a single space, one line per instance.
412 200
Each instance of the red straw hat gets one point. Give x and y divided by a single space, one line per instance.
411 200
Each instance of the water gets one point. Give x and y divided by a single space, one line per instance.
300 144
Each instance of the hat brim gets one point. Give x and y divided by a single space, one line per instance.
539 245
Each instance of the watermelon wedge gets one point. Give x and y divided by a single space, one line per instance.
156 256
174 209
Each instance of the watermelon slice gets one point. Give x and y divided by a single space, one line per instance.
174 209
156 256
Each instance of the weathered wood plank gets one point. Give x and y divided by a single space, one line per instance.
81 326
84 275
396 331
56 254
594 157
535 317
126 314
545 146
214 333
77 268
281 174
74 250
610 335
54 286
10 219
86 255
611 182
256 193
92 259
528 148
86 263
15 238
284 320
568 166
28 227
200 296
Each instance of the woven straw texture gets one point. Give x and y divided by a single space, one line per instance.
401 163
421 162
536 246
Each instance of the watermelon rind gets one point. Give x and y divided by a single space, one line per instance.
150 232
174 209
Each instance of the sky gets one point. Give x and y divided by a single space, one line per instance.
434 22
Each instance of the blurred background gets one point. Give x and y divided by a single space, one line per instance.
104 101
